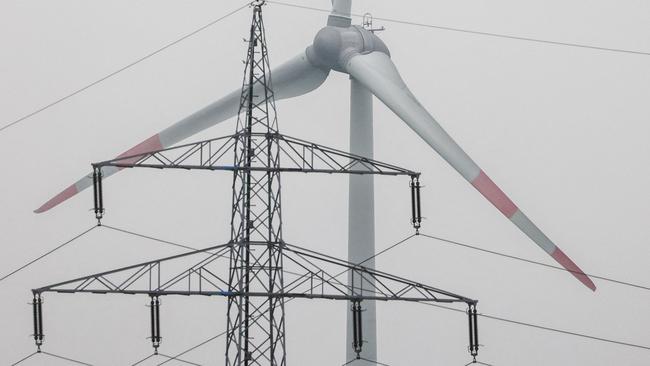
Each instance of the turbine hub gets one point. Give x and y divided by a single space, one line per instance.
333 47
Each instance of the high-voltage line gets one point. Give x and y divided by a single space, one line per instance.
475 32
47 253
390 20
124 68
530 261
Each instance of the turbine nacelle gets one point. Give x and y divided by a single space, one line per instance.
334 46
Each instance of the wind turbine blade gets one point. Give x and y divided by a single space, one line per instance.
378 73
293 78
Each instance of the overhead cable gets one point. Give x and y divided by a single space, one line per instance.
66 359
364 359
175 358
124 68
475 32
143 360
24 359
542 327
148 237
493 317
468 246
391 247
129 232
168 358
487 316
397 21
172 358
497 318
375 362
566 332
46 254
478 363
51 355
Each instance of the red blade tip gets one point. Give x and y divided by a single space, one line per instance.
67 193
570 266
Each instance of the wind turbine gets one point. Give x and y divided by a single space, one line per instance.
343 47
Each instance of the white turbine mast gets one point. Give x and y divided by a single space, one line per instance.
358 52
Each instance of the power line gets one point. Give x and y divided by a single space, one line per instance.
24 359
46 254
178 359
148 237
397 21
66 358
193 348
166 357
478 363
124 231
493 317
86 232
331 277
542 327
124 68
391 247
143 360
487 316
475 32
556 330
468 246
364 359
497 318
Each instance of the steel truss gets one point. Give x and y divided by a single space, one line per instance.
308 275
256 271
296 155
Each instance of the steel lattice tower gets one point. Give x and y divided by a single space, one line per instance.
256 327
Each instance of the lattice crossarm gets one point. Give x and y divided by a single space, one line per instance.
201 154
144 277
369 284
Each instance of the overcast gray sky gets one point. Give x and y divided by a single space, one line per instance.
564 131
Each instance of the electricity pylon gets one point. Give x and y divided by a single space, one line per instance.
256 271
256 326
